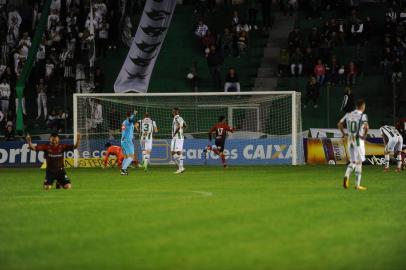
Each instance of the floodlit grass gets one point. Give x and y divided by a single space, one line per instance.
207 218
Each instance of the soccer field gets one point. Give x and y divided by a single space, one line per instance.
207 218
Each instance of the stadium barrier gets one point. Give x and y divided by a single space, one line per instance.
238 152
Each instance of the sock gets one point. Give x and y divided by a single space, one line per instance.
126 163
176 159
223 158
215 150
387 161
146 159
181 162
349 170
358 171
399 161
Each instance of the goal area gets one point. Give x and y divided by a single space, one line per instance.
268 125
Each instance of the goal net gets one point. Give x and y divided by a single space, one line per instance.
268 125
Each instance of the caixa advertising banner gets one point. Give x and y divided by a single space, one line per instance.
237 152
334 151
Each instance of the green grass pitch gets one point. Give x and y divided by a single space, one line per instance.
207 218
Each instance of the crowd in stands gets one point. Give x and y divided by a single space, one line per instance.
234 41
312 54
65 58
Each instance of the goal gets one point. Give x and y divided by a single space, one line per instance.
268 125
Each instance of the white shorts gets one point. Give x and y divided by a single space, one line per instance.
356 152
177 145
394 144
146 145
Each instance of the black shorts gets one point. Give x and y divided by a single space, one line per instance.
220 145
61 177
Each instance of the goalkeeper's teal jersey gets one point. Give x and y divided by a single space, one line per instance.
127 129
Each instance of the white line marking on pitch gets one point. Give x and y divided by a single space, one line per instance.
203 193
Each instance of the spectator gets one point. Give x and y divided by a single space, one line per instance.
292 5
295 39
236 19
387 59
309 59
242 43
49 70
392 15
127 36
352 73
284 61
341 32
296 62
341 75
9 133
52 121
193 77
42 99
5 95
227 41
357 29
67 63
348 104
201 29
22 103
98 80
208 40
96 117
402 15
320 72
61 119
214 61
242 27
80 77
314 38
312 92
232 82
397 69
332 70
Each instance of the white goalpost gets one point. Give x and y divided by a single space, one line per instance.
268 125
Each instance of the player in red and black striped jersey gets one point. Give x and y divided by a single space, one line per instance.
54 155
219 131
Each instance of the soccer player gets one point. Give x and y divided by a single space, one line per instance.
220 130
393 145
146 127
178 126
357 129
113 150
54 154
127 145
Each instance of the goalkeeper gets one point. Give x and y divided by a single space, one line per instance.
127 145
113 150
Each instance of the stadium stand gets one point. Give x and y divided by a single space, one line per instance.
262 57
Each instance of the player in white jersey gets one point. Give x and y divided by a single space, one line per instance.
146 128
178 126
357 129
393 145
